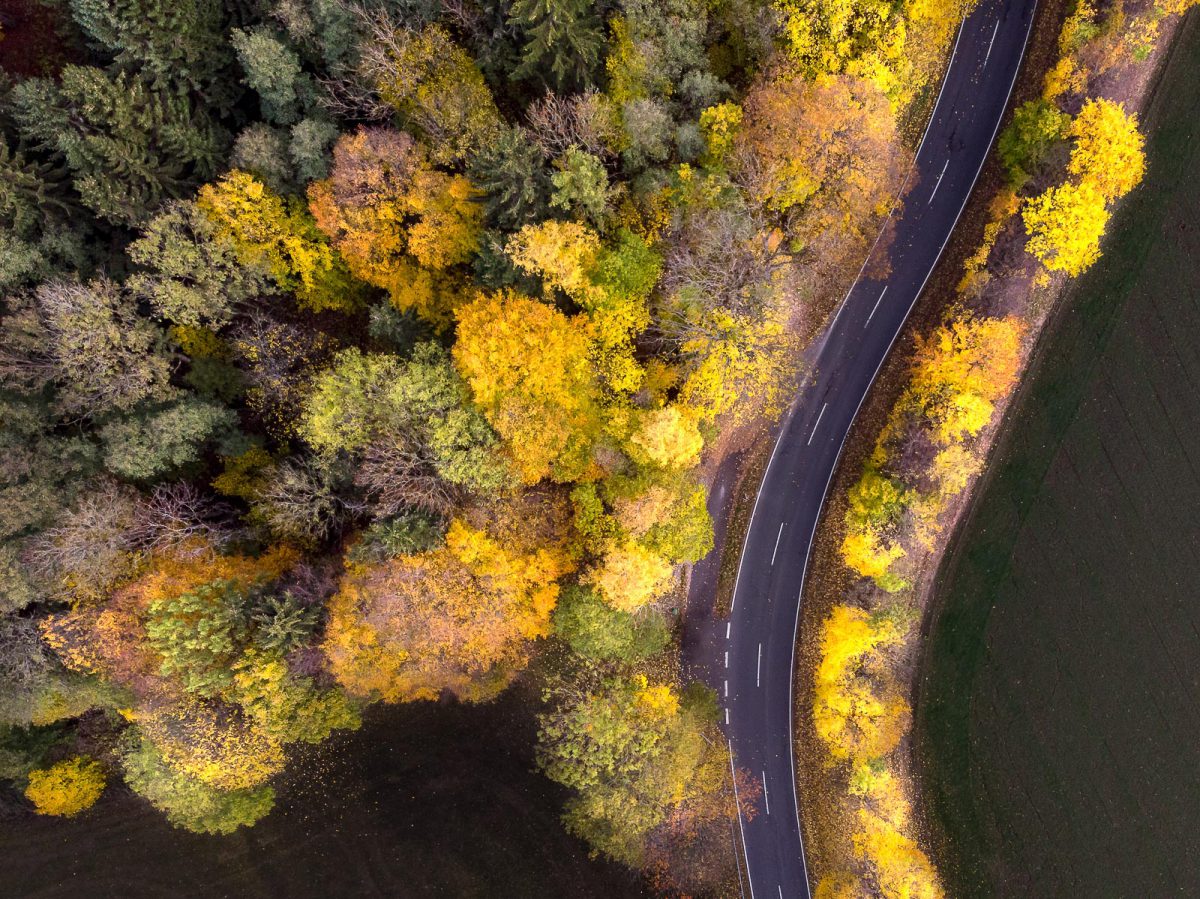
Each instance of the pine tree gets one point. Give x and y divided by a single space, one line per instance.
127 145
564 41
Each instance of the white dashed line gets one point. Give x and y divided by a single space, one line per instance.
939 182
726 689
727 658
728 627
874 309
758 671
727 715
777 536
766 798
992 41
817 425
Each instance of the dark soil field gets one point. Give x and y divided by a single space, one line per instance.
426 800
1058 722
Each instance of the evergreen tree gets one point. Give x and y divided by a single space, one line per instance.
564 41
128 145
512 174
169 43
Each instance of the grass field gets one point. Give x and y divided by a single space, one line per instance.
427 800
1058 724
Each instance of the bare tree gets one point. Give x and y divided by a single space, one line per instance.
177 516
397 474
582 120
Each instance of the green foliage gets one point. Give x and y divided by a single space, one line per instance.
687 534
194 276
199 633
563 41
128 145
875 501
1036 127
627 270
33 194
282 623
151 443
404 535
594 629
262 150
309 149
89 342
629 750
581 184
511 172
188 803
273 71
172 43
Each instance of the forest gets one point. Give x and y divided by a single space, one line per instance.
372 352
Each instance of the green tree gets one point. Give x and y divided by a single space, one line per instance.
199 634
511 173
630 751
90 343
129 146
188 803
594 629
581 183
1037 126
153 442
563 41
273 71
194 276
172 43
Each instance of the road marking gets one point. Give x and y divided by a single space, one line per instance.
817 425
728 627
758 671
874 308
726 714
727 658
726 689
939 182
777 536
766 798
780 886
992 41
738 806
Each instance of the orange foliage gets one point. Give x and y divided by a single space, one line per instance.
457 618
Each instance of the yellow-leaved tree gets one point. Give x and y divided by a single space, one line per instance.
529 370
1108 152
66 788
399 223
458 618
858 710
280 236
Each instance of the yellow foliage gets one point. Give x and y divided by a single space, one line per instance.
720 125
1108 152
961 369
457 618
669 437
529 371
66 788
1064 225
866 553
901 869
628 575
858 712
561 253
212 743
281 237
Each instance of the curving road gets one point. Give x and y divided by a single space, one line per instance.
750 657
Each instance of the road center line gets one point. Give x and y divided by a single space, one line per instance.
726 714
727 689
817 425
992 41
939 182
777 536
780 887
728 628
874 308
766 798
758 671
727 658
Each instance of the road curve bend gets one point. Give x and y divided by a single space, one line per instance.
751 656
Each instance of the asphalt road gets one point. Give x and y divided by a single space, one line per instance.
751 655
